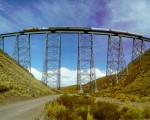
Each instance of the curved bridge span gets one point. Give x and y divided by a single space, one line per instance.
85 65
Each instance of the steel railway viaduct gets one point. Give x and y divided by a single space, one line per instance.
85 65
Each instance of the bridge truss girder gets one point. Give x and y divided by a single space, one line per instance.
2 43
115 60
138 48
21 51
85 66
52 62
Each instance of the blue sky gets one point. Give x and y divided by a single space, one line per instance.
127 15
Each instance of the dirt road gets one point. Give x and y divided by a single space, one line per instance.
25 110
111 100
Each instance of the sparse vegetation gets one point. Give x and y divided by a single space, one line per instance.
15 81
86 108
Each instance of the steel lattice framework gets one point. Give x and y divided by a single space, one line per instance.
115 60
116 67
2 43
138 48
51 70
86 69
21 51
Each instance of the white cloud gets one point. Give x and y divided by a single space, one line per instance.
130 15
68 77
36 73
100 73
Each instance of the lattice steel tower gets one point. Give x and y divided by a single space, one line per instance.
2 43
138 48
85 68
21 51
52 63
115 60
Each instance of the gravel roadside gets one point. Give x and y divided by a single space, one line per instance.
25 110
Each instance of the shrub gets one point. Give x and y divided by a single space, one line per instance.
81 111
134 98
59 111
49 110
89 116
146 113
128 112
1 98
66 100
104 110
145 99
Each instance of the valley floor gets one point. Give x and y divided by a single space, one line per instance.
34 109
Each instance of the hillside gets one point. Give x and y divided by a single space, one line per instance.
134 87
69 89
17 83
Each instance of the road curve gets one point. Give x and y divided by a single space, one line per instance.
25 110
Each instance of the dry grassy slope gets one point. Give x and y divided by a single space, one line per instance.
136 84
16 81
138 81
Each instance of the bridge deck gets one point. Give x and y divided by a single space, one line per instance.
76 30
